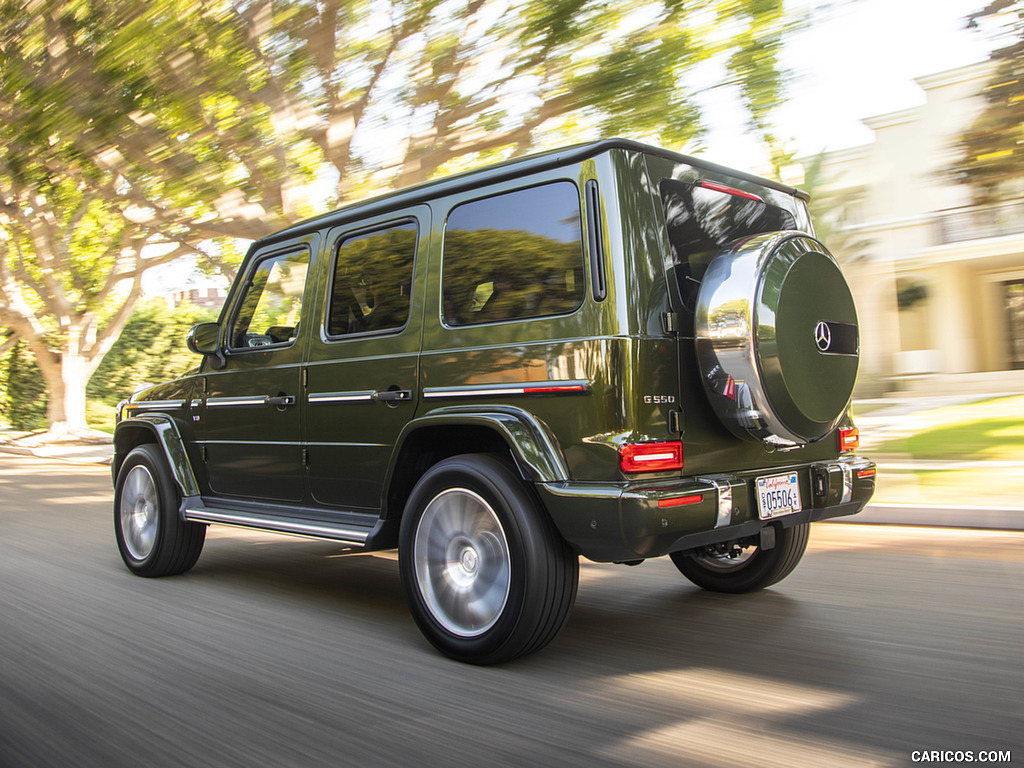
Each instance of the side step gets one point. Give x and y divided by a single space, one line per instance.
347 528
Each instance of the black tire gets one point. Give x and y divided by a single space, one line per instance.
152 537
486 574
752 570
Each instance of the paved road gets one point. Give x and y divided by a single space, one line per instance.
283 652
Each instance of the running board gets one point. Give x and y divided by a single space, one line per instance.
348 533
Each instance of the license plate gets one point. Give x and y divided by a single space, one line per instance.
778 495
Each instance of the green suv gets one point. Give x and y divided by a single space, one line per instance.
610 350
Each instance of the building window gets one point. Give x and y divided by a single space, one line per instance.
1014 298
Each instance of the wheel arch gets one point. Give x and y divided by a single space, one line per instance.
162 431
511 432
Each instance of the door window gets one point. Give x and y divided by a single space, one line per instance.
270 309
372 281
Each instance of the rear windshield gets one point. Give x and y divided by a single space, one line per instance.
703 220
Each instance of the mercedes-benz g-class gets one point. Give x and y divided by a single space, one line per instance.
609 350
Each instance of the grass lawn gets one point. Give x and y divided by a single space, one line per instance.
986 431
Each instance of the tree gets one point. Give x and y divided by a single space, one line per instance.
830 207
128 124
991 151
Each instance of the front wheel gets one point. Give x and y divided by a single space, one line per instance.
487 576
736 569
152 537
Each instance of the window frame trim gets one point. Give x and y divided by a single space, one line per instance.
247 284
584 266
345 235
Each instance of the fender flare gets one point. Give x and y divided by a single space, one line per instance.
535 450
165 433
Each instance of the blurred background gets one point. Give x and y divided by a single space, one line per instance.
145 143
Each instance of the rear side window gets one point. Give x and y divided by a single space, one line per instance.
372 281
703 218
514 256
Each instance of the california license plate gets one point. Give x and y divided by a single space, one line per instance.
778 495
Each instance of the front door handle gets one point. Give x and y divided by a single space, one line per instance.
394 396
281 401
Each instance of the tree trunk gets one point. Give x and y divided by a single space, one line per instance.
74 375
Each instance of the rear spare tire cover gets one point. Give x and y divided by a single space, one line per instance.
777 339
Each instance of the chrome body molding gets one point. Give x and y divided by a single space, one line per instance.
563 387
156 405
364 396
222 402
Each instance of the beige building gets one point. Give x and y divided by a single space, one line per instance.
939 282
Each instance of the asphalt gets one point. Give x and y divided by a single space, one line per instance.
96 448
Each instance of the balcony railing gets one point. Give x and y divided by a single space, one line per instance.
977 222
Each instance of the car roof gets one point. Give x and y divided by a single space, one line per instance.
508 169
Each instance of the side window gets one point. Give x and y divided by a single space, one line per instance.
372 281
513 256
270 309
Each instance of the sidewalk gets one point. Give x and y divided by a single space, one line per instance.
96 448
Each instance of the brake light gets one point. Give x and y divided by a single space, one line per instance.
716 187
849 439
651 457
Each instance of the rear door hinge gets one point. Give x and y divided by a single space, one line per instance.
670 322
675 422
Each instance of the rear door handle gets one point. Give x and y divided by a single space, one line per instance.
394 396
281 401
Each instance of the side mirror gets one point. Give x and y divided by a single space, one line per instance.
204 339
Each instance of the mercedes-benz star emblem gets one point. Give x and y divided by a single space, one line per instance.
822 336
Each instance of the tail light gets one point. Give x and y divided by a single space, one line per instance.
651 457
849 439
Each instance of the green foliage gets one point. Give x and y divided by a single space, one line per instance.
830 208
986 430
22 390
151 349
991 151
132 123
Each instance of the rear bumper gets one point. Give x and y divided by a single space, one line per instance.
636 520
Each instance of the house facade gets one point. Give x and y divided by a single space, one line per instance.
939 281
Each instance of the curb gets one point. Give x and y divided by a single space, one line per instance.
88 456
985 518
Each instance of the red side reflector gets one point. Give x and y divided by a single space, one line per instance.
651 457
716 187
681 501
554 389
849 439
866 473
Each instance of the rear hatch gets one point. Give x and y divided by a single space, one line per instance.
766 326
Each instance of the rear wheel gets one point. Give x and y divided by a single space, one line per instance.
151 536
487 576
735 568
